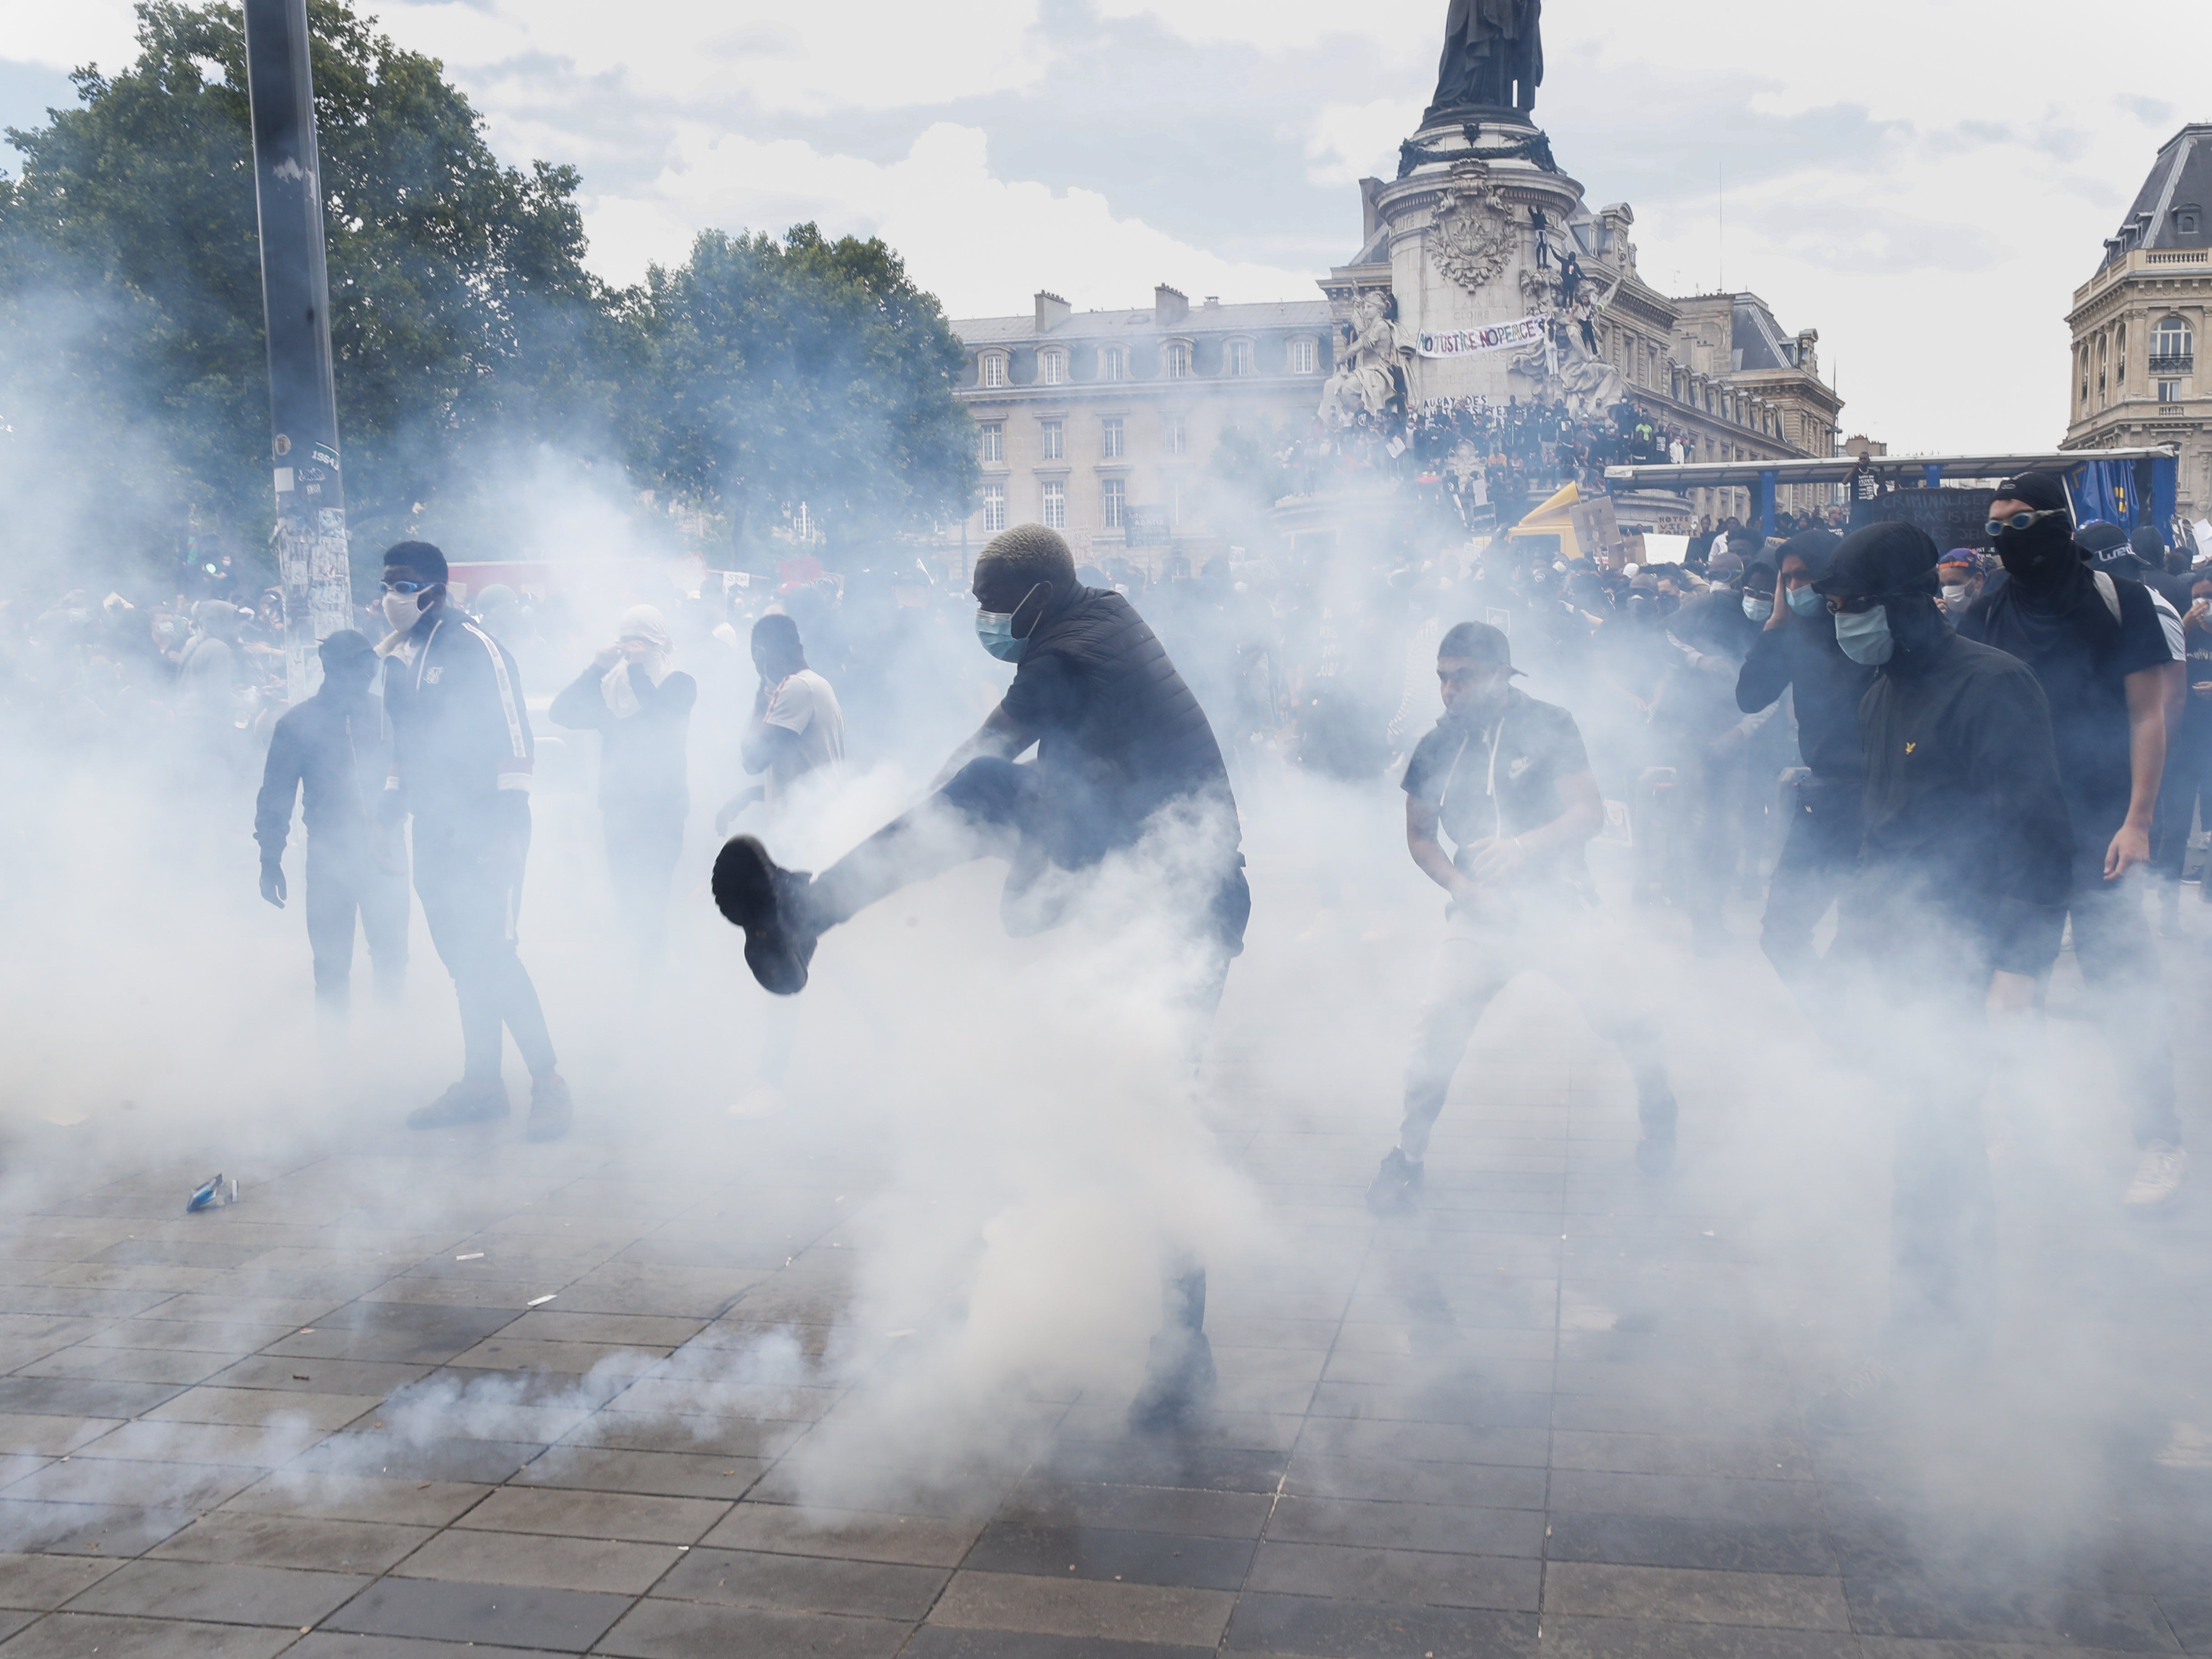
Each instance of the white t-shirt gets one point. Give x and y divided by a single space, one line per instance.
805 706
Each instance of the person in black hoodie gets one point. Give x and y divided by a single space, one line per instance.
1796 651
1122 746
639 703
334 750
1956 908
2107 666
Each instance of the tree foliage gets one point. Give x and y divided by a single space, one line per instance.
805 370
466 329
461 311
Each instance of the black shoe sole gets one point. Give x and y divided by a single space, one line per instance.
745 892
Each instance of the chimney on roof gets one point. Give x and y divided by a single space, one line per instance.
1213 302
1051 312
1169 306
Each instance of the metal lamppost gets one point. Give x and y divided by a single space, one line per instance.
311 527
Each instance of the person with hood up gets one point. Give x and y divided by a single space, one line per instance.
2102 655
635 697
1954 912
1796 651
1506 780
334 750
1121 744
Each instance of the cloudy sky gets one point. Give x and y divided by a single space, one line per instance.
1924 181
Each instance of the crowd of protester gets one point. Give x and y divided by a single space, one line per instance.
1497 460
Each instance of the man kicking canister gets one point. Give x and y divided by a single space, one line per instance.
1119 739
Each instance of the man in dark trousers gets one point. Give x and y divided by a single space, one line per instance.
1796 651
2107 668
1122 745
1506 780
335 750
462 754
1954 912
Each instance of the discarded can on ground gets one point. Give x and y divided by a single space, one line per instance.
212 1194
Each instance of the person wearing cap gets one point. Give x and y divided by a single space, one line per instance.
2108 667
1963 574
1956 908
1796 651
334 750
1506 780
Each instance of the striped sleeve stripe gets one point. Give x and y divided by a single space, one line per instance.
508 705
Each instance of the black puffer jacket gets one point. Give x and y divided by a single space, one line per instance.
1119 734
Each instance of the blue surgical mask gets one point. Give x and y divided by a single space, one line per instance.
1758 606
1865 635
995 629
1805 602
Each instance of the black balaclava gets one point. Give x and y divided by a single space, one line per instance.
2040 559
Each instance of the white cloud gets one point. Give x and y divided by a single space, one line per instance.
983 244
1350 142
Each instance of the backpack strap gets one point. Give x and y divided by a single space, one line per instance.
2107 591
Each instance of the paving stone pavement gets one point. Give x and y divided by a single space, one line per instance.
1560 1412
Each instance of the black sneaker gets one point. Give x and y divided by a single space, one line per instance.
1654 1153
1178 1382
1396 1188
466 1101
550 1108
756 893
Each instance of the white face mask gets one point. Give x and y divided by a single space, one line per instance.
1954 597
403 610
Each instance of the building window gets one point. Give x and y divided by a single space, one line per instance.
1052 441
1052 368
1240 357
1175 438
1302 357
994 508
1174 360
2172 347
2185 222
2169 391
1115 495
1109 438
994 372
1054 505
991 441
1113 363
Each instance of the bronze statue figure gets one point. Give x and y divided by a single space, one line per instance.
1493 57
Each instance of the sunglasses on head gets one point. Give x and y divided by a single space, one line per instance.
2021 521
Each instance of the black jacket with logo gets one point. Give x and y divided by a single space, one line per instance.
460 734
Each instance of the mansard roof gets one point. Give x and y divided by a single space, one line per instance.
2170 210
1106 327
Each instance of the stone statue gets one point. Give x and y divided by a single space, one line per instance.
1370 379
1493 57
1584 382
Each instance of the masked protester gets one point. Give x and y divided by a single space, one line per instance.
1957 906
633 695
1506 778
334 750
462 757
798 730
1796 651
2107 667
1119 741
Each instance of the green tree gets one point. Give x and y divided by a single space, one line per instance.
463 320
775 373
